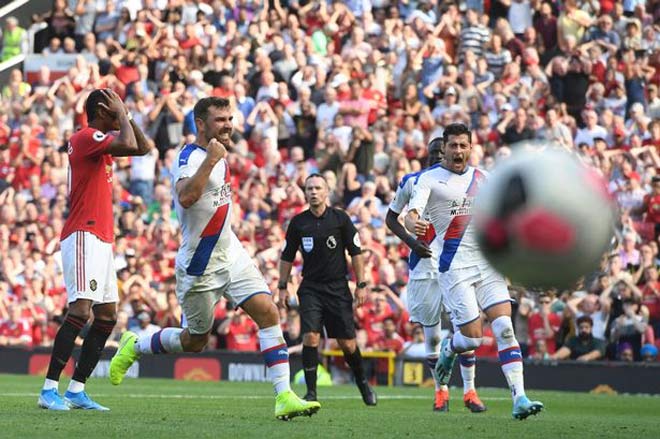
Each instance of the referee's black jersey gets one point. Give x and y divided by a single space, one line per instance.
323 241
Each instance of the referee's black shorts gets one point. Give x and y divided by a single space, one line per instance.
327 304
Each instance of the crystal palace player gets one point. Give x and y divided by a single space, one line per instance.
86 242
424 298
212 262
446 193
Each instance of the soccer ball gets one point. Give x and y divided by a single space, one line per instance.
543 219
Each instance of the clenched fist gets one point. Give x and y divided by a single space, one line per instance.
215 151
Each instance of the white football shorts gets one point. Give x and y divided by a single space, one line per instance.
89 269
198 295
468 290
424 301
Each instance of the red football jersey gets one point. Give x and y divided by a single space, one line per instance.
536 330
242 336
653 208
90 185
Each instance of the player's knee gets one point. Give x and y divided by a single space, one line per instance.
81 309
432 340
311 339
347 345
107 315
472 343
262 310
465 343
503 330
195 343
79 313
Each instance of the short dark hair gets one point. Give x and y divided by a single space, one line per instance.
585 319
456 129
316 175
436 142
92 104
201 110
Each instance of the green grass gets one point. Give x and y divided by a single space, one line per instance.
152 408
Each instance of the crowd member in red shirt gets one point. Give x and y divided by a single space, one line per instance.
17 330
241 332
652 205
390 340
543 325
86 242
372 315
651 295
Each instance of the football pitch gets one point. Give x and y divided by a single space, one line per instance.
154 408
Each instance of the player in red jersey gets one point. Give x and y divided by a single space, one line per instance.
86 242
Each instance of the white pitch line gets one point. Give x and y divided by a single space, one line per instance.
175 396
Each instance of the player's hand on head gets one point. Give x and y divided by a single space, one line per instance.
215 151
113 102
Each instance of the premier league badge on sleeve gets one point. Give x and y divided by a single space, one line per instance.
307 243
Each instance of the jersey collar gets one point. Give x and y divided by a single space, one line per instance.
467 168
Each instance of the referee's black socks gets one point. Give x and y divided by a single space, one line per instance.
354 360
310 359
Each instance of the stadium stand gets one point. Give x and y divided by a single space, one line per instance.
352 89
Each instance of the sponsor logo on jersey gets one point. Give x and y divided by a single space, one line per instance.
331 242
222 195
307 243
93 284
461 207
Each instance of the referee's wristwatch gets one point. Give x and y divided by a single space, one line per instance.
361 285
282 286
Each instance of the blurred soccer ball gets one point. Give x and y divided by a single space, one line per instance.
543 219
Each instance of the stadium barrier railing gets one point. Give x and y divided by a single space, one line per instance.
389 356
599 377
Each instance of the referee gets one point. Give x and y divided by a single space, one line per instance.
324 234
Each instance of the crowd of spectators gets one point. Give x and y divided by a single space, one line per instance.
352 89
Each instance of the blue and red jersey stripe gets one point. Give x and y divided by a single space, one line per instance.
209 236
457 227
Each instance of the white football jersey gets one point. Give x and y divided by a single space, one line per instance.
207 238
419 268
446 199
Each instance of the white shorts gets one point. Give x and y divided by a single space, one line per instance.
424 301
467 290
89 269
198 295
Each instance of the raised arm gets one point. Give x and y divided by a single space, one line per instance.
125 143
189 190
